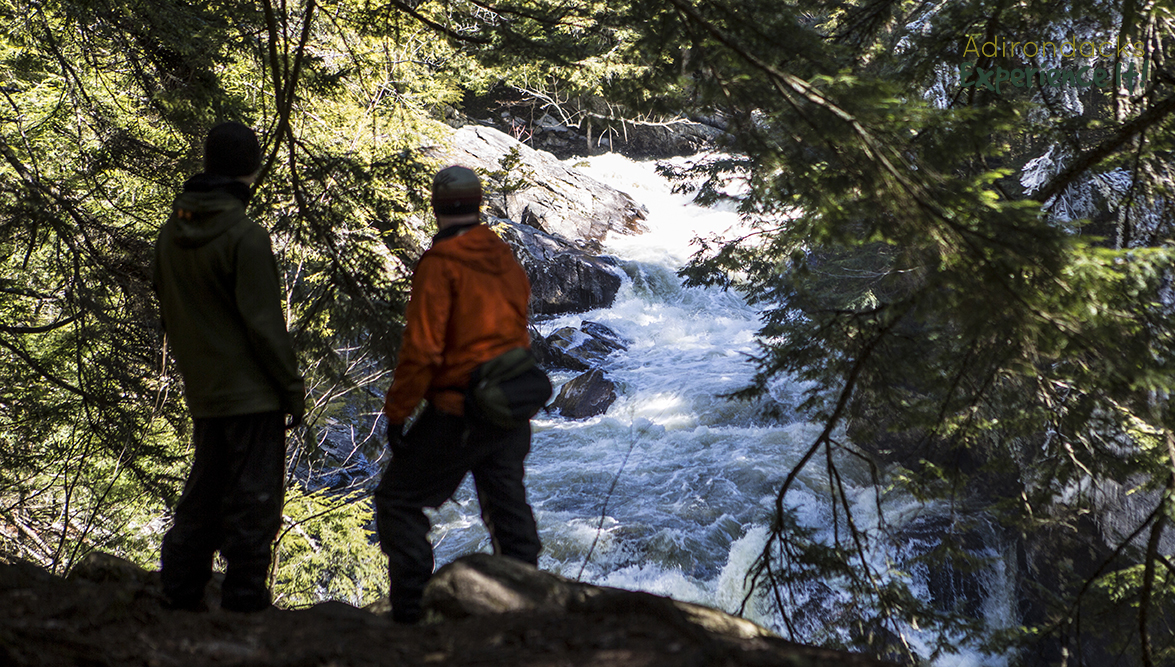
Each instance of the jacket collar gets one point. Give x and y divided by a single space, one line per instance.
450 232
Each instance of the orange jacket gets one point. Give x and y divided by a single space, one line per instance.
468 305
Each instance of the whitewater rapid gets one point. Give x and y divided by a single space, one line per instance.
692 475
698 470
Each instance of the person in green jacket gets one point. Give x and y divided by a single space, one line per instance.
220 303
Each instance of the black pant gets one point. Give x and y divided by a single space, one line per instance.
425 472
232 502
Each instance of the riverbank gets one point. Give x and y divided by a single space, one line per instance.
109 613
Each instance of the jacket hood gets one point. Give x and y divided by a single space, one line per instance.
208 207
479 248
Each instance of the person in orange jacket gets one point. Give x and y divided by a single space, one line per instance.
468 305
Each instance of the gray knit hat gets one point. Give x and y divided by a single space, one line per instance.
456 191
232 150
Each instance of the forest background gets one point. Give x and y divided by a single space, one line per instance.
978 283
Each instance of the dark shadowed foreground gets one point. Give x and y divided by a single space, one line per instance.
108 613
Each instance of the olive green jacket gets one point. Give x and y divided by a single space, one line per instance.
220 299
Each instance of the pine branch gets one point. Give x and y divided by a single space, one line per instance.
1154 114
514 11
823 439
445 30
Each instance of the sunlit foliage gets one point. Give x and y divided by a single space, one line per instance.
105 106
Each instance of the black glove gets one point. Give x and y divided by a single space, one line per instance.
395 437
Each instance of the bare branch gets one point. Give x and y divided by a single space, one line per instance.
36 330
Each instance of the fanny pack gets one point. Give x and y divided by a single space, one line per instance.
508 390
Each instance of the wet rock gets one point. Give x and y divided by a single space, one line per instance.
1053 563
340 459
563 278
579 349
542 191
585 395
880 639
553 357
574 349
679 137
531 122
542 350
605 334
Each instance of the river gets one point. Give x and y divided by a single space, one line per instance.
671 490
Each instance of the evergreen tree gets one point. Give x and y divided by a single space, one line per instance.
956 299
106 105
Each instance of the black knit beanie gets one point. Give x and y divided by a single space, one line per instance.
232 150
456 191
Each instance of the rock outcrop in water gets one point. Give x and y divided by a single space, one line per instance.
585 395
564 278
583 349
578 350
486 612
1047 563
540 191
547 130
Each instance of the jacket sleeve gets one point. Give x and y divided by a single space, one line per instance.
422 350
258 296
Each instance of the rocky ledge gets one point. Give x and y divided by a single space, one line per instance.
536 189
482 610
563 277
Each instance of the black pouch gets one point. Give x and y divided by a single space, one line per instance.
508 390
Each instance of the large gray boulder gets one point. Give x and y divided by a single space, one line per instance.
481 584
539 190
586 395
563 277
